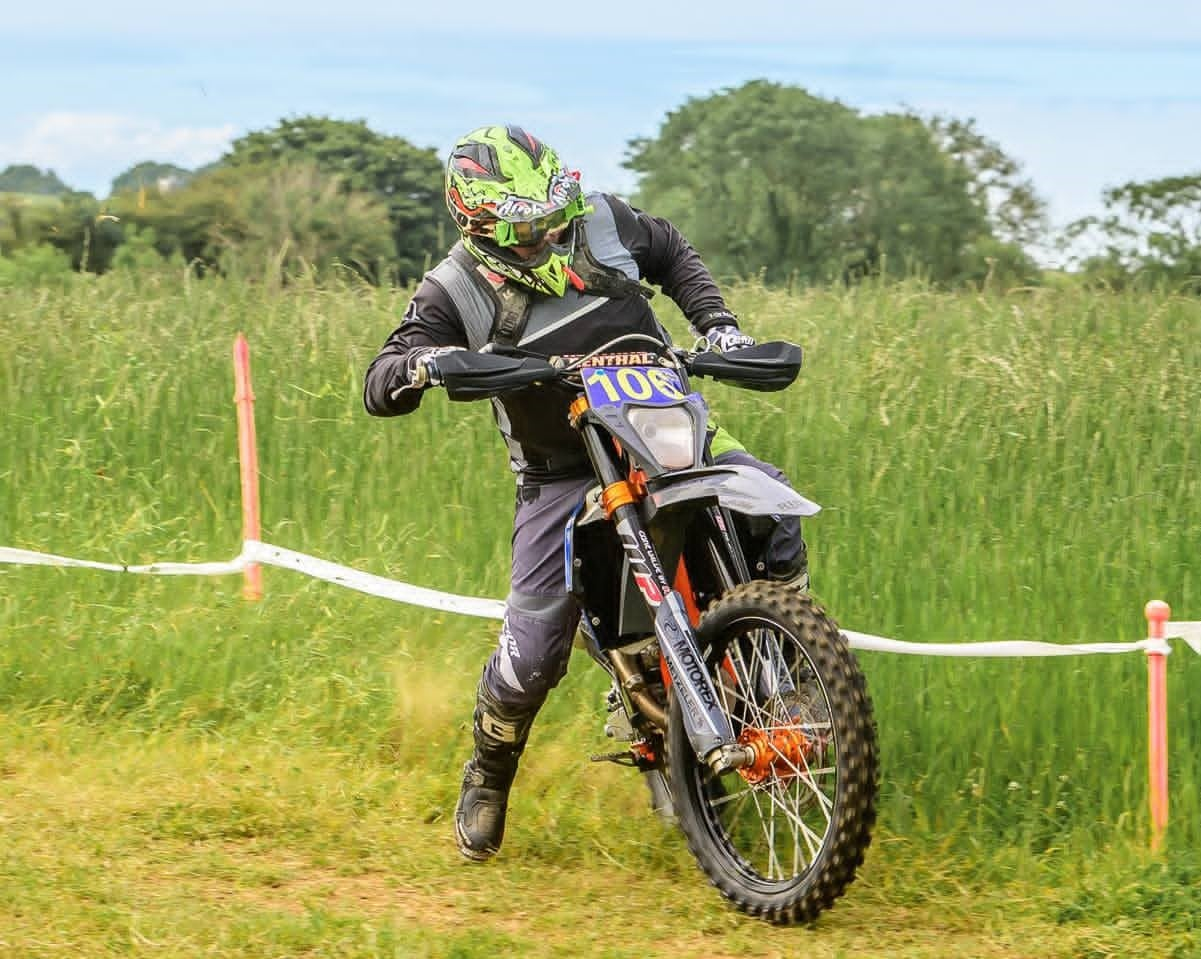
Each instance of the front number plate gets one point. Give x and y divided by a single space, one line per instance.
648 385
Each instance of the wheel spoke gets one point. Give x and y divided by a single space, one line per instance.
806 776
767 833
795 819
730 797
742 806
776 683
743 691
797 832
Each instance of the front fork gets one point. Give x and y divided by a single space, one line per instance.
708 726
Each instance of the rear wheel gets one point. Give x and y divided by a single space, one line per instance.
783 837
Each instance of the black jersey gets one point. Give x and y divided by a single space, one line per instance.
542 444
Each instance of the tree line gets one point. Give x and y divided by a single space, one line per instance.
765 179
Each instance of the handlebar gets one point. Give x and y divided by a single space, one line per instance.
469 375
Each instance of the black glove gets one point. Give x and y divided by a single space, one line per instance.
726 339
720 328
421 368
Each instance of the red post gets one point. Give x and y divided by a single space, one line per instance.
248 459
1157 613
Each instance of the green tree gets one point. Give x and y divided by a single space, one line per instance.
24 178
138 252
24 220
74 223
916 210
756 179
769 179
293 217
264 221
1151 231
1017 213
185 222
151 176
406 178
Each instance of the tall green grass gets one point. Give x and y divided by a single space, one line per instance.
991 466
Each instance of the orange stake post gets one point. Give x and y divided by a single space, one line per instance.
248 458
1157 613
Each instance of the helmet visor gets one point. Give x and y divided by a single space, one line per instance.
523 221
533 232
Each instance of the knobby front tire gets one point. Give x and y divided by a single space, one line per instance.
783 838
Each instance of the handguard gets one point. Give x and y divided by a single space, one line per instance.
767 367
474 376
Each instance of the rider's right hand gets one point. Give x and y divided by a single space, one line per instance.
423 365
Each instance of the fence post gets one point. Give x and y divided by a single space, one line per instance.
248 460
1157 613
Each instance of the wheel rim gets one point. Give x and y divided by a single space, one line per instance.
775 817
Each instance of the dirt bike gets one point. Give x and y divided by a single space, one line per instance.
738 697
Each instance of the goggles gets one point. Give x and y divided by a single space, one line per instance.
533 232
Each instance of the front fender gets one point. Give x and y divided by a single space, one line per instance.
742 489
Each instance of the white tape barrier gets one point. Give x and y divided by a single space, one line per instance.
254 551
28 557
1189 632
268 555
1018 647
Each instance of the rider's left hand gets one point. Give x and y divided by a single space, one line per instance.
727 338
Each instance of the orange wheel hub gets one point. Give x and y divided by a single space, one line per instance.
777 751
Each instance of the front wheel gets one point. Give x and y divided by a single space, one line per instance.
782 837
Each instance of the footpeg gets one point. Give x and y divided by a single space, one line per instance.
626 758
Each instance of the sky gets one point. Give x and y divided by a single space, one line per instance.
1084 95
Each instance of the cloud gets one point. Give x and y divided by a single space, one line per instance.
88 149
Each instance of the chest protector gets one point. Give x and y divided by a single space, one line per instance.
498 311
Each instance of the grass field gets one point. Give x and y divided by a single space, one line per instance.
185 773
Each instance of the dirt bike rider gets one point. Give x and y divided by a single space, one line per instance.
544 267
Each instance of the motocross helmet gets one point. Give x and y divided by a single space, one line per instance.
507 189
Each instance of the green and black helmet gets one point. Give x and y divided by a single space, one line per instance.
507 189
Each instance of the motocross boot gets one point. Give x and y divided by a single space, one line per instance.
794 574
799 582
500 736
778 551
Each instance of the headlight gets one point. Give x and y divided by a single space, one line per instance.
667 432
